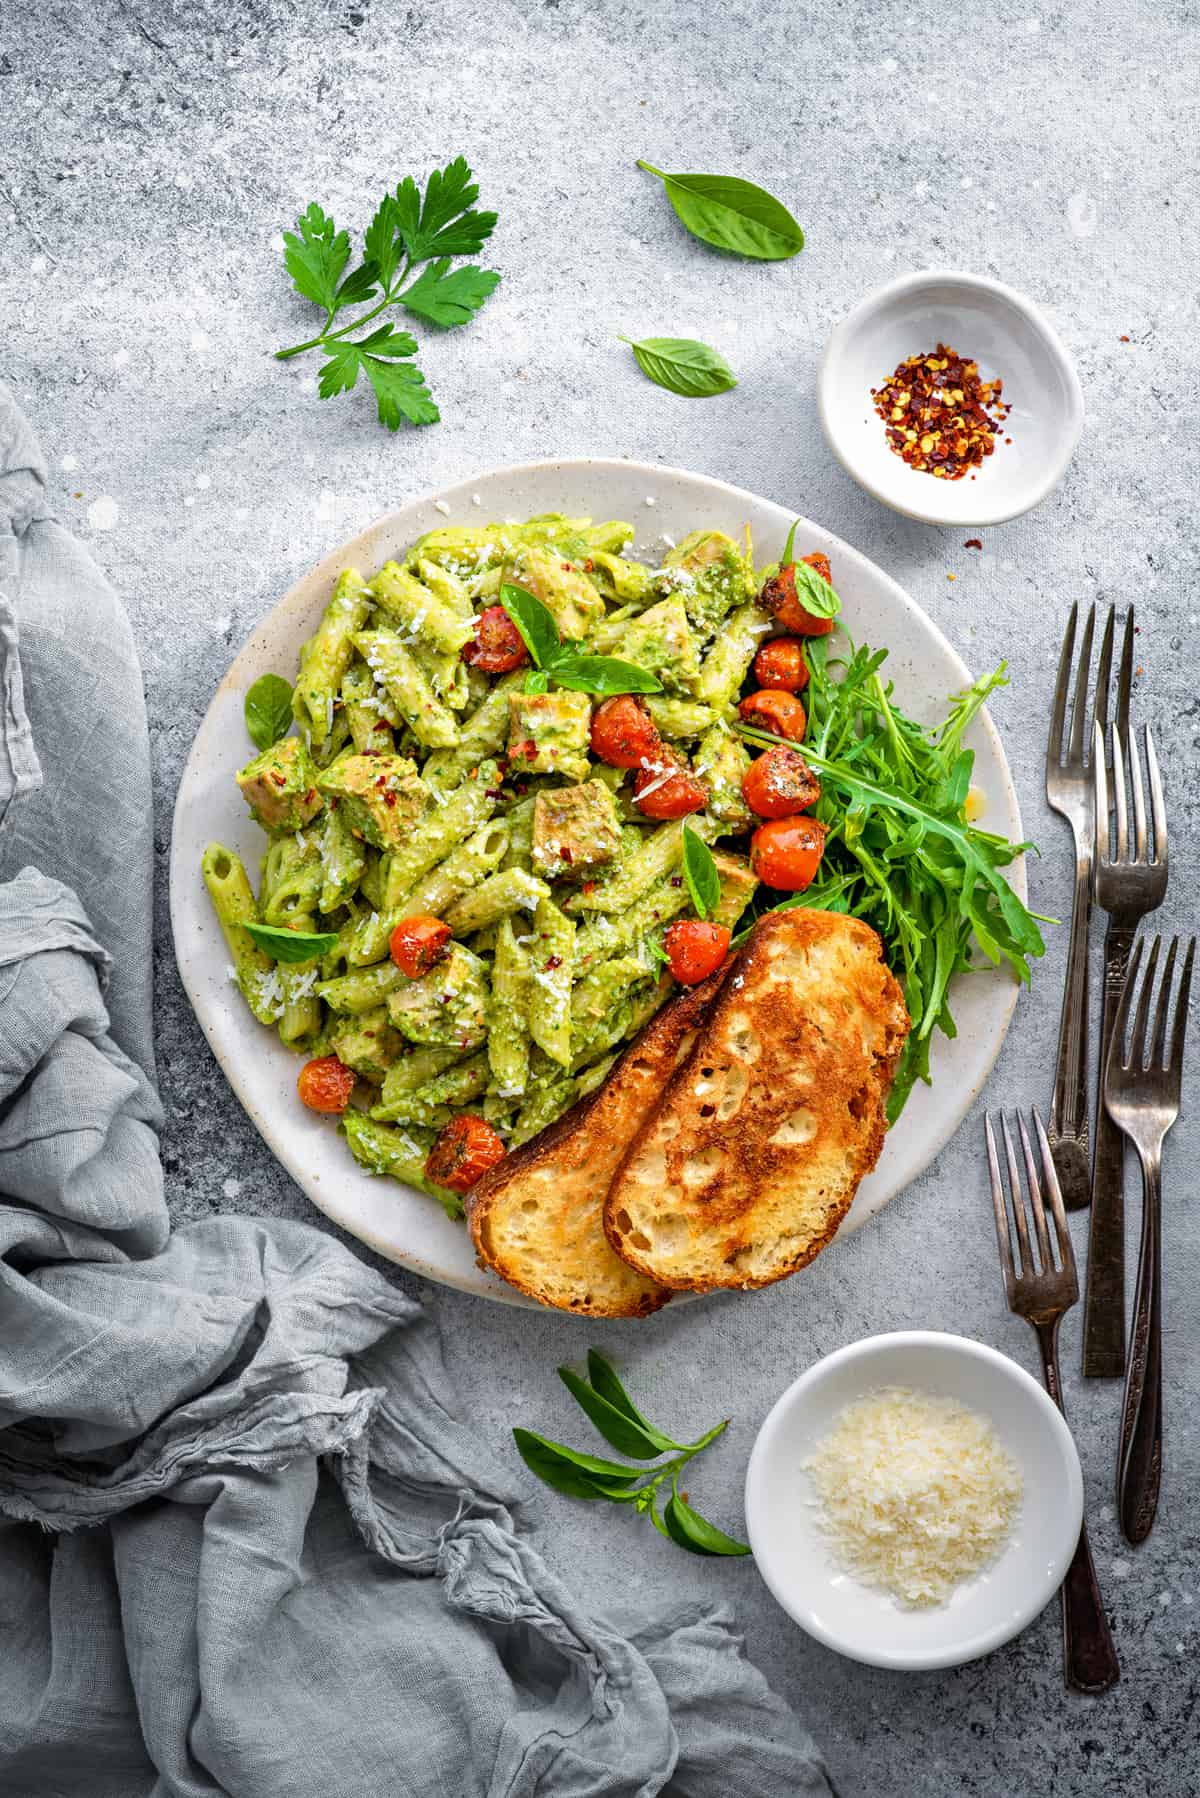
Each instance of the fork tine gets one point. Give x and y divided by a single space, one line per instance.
1175 1064
1036 1202
1100 783
1119 800
1116 1050
1158 805
1139 803
1058 716
1003 1236
1082 675
1104 673
1139 1045
1159 1045
1125 678
1066 1248
1018 1201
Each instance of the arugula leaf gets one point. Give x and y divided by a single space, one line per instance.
700 873
900 853
535 622
315 254
694 1532
405 230
683 366
292 945
267 708
448 300
732 214
641 1441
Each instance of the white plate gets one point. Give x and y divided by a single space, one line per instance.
397 1221
866 1625
1009 337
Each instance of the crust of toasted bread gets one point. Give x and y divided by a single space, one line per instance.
536 1219
745 1170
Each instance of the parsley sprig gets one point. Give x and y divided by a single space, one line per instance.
409 231
900 853
605 1401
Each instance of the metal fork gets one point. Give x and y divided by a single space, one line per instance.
1127 884
1069 792
1142 1086
1041 1289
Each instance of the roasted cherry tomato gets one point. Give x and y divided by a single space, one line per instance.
780 598
779 784
780 665
780 713
463 1153
624 734
786 853
497 646
659 792
326 1084
418 944
695 949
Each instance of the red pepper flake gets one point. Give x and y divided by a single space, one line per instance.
589 886
552 962
389 798
565 854
973 542
493 793
1124 340
938 415
677 880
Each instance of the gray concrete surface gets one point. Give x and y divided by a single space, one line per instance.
150 155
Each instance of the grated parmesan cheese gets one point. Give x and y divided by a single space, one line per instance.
917 1494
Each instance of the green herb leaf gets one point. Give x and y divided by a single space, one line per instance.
382 242
700 873
268 710
537 681
360 284
534 621
569 1471
292 945
315 254
641 1441
814 592
694 1532
655 950
601 674
605 1380
401 393
732 214
442 225
683 366
449 299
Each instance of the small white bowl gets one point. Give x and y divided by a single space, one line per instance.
867 1625
1009 338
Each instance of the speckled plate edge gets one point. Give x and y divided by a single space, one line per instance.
398 1222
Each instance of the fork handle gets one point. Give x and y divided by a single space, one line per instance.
1068 1128
1090 1662
1104 1303
1139 1465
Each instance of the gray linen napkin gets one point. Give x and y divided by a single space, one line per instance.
247 1549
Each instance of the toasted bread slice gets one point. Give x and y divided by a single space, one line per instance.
745 1170
536 1219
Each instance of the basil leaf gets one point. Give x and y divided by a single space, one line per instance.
694 1532
656 951
732 215
268 710
604 1380
537 681
601 674
569 1471
292 945
534 621
641 1441
814 592
700 873
683 366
